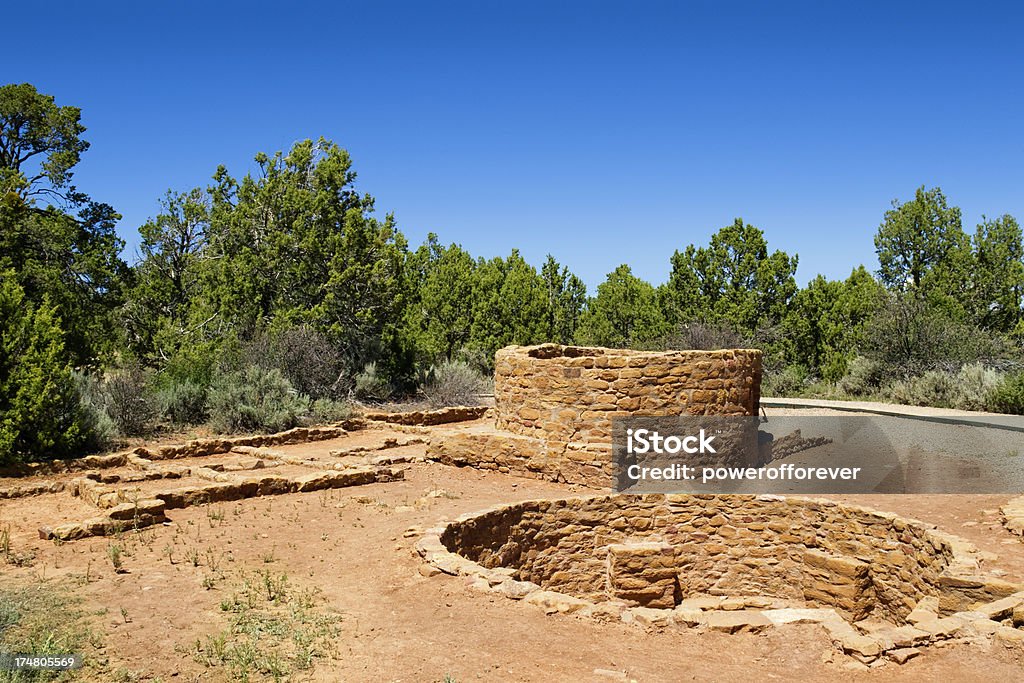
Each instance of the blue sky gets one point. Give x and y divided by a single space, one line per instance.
600 132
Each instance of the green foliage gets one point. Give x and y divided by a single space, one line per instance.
1008 397
296 244
624 313
40 411
454 383
45 618
828 319
276 630
440 315
69 261
863 377
969 388
370 386
509 304
999 274
458 303
567 295
95 420
157 315
182 402
39 142
327 411
735 279
923 249
255 400
910 336
789 380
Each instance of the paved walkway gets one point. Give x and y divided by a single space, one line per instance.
942 415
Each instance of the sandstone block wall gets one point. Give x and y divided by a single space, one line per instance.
554 405
643 574
812 552
843 583
571 393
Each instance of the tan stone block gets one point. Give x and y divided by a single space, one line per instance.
739 621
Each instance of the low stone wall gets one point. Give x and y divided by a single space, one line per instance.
571 393
645 560
813 552
429 418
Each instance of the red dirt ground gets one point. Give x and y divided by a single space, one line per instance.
398 625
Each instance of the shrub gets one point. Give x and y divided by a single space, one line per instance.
96 422
704 336
326 411
370 386
255 399
790 381
129 400
183 402
454 383
1008 396
974 385
308 360
910 337
40 412
933 388
970 388
863 377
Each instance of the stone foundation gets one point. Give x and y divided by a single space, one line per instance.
811 553
876 582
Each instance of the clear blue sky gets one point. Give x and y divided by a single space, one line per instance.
600 132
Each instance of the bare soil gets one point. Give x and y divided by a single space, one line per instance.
355 546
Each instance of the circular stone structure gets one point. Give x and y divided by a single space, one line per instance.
571 393
704 560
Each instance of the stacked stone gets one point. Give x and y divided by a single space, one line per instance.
809 552
843 583
643 574
554 405
571 394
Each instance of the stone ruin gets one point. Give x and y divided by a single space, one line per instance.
554 405
880 584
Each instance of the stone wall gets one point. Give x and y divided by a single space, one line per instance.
571 393
554 405
811 552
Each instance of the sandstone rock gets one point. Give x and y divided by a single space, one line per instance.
688 616
940 629
552 602
798 616
132 511
604 611
647 617
1001 609
864 648
1009 637
903 655
733 622
517 590
643 574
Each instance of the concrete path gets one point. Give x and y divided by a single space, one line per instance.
941 415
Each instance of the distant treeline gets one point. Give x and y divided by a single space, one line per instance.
264 301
